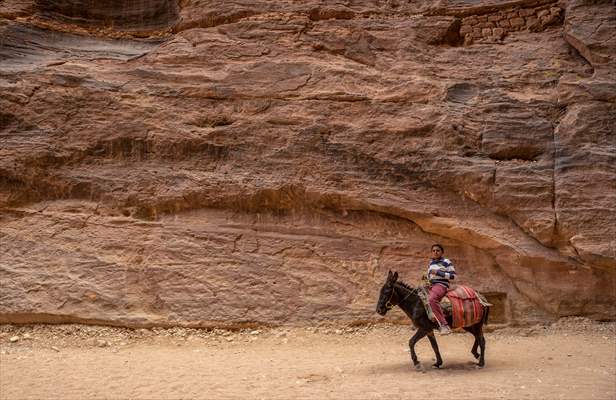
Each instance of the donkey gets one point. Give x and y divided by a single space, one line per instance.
396 293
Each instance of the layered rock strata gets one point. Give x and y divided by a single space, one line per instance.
204 164
496 25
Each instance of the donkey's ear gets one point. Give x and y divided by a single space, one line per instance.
395 278
390 275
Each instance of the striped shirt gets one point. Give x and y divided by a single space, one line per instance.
441 271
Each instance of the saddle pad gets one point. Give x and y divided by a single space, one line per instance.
466 307
462 292
463 303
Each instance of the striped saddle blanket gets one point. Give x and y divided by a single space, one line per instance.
464 304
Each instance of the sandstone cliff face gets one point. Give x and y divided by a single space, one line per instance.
198 163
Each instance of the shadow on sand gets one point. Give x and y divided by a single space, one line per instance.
455 367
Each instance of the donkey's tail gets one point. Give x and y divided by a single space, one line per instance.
486 313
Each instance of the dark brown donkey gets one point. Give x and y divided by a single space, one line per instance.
395 293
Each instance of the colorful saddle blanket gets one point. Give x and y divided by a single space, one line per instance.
464 304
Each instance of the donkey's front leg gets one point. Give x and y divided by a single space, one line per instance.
416 337
439 360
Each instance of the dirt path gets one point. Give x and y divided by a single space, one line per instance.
575 359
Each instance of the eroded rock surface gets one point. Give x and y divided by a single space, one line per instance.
262 162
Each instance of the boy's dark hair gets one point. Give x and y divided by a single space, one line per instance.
440 246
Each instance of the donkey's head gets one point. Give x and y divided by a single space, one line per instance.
387 292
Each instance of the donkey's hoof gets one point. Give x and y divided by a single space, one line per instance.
418 367
436 366
479 366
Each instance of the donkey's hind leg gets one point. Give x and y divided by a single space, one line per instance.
473 330
480 341
482 346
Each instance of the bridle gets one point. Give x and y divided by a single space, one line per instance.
389 305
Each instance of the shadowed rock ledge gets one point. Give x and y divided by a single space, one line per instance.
245 163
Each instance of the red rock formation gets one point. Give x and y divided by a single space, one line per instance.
267 162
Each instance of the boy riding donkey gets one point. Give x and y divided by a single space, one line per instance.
440 272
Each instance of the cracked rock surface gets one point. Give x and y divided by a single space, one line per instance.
206 164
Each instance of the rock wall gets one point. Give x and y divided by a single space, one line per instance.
208 164
139 18
494 26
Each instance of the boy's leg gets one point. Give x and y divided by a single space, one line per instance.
436 294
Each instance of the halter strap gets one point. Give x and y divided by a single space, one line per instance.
389 305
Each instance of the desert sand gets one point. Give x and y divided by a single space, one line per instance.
571 359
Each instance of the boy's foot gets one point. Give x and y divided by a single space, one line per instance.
444 330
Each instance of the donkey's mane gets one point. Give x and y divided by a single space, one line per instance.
405 285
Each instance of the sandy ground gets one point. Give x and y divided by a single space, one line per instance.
572 359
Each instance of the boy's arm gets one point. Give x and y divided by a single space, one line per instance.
448 271
432 271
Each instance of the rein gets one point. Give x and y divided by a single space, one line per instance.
389 305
